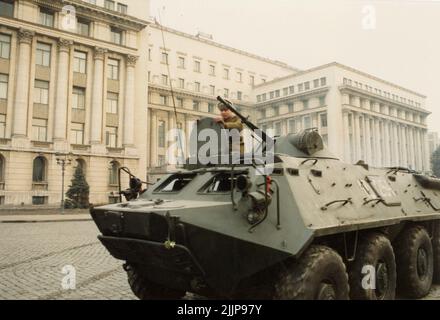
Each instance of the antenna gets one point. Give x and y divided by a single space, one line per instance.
179 140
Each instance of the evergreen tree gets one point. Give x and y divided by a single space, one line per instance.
435 162
78 193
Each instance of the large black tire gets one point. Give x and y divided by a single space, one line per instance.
415 262
144 289
319 274
374 250
436 251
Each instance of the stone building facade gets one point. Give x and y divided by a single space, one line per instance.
73 86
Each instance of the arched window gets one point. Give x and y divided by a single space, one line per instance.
113 176
39 170
81 163
2 169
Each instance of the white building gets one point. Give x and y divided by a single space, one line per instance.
361 117
199 71
73 81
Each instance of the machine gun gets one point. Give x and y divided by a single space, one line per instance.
262 135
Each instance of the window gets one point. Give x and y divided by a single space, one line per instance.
300 87
226 94
78 98
181 83
149 54
292 89
83 27
323 117
122 8
271 94
323 82
316 83
277 93
39 200
259 98
41 92
108 4
276 111
196 66
197 86
292 126
161 160
212 90
263 113
46 17
226 74
113 69
161 134
181 62
239 77
165 57
285 91
305 104
4 86
116 36
290 107
251 80
80 62
263 97
307 122
113 173
307 85
163 100
43 54
322 101
164 79
39 169
277 128
5 46
77 133
239 95
2 126
211 108
180 102
211 70
7 8
39 130
196 105
112 102
111 137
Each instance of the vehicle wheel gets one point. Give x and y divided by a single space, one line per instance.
374 250
144 289
320 274
436 251
414 260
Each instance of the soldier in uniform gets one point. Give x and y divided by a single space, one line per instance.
230 121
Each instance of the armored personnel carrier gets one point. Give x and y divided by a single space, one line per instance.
311 227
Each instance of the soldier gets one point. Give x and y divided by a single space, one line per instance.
230 121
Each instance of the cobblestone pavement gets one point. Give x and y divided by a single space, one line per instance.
32 256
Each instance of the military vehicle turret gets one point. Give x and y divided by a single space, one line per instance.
303 226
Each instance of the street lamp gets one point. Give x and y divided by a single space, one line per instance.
63 160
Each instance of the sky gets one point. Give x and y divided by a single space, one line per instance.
396 40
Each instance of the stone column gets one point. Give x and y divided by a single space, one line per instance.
128 140
418 151
412 160
21 99
396 144
368 153
97 97
404 146
386 145
357 137
347 146
153 139
426 155
377 138
62 90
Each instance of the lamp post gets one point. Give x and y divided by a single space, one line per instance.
63 160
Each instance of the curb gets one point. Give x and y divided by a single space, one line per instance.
44 221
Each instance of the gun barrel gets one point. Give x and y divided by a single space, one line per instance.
246 121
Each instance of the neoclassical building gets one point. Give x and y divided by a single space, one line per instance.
73 85
200 69
360 116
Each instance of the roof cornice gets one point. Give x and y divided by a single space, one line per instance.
96 13
219 45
